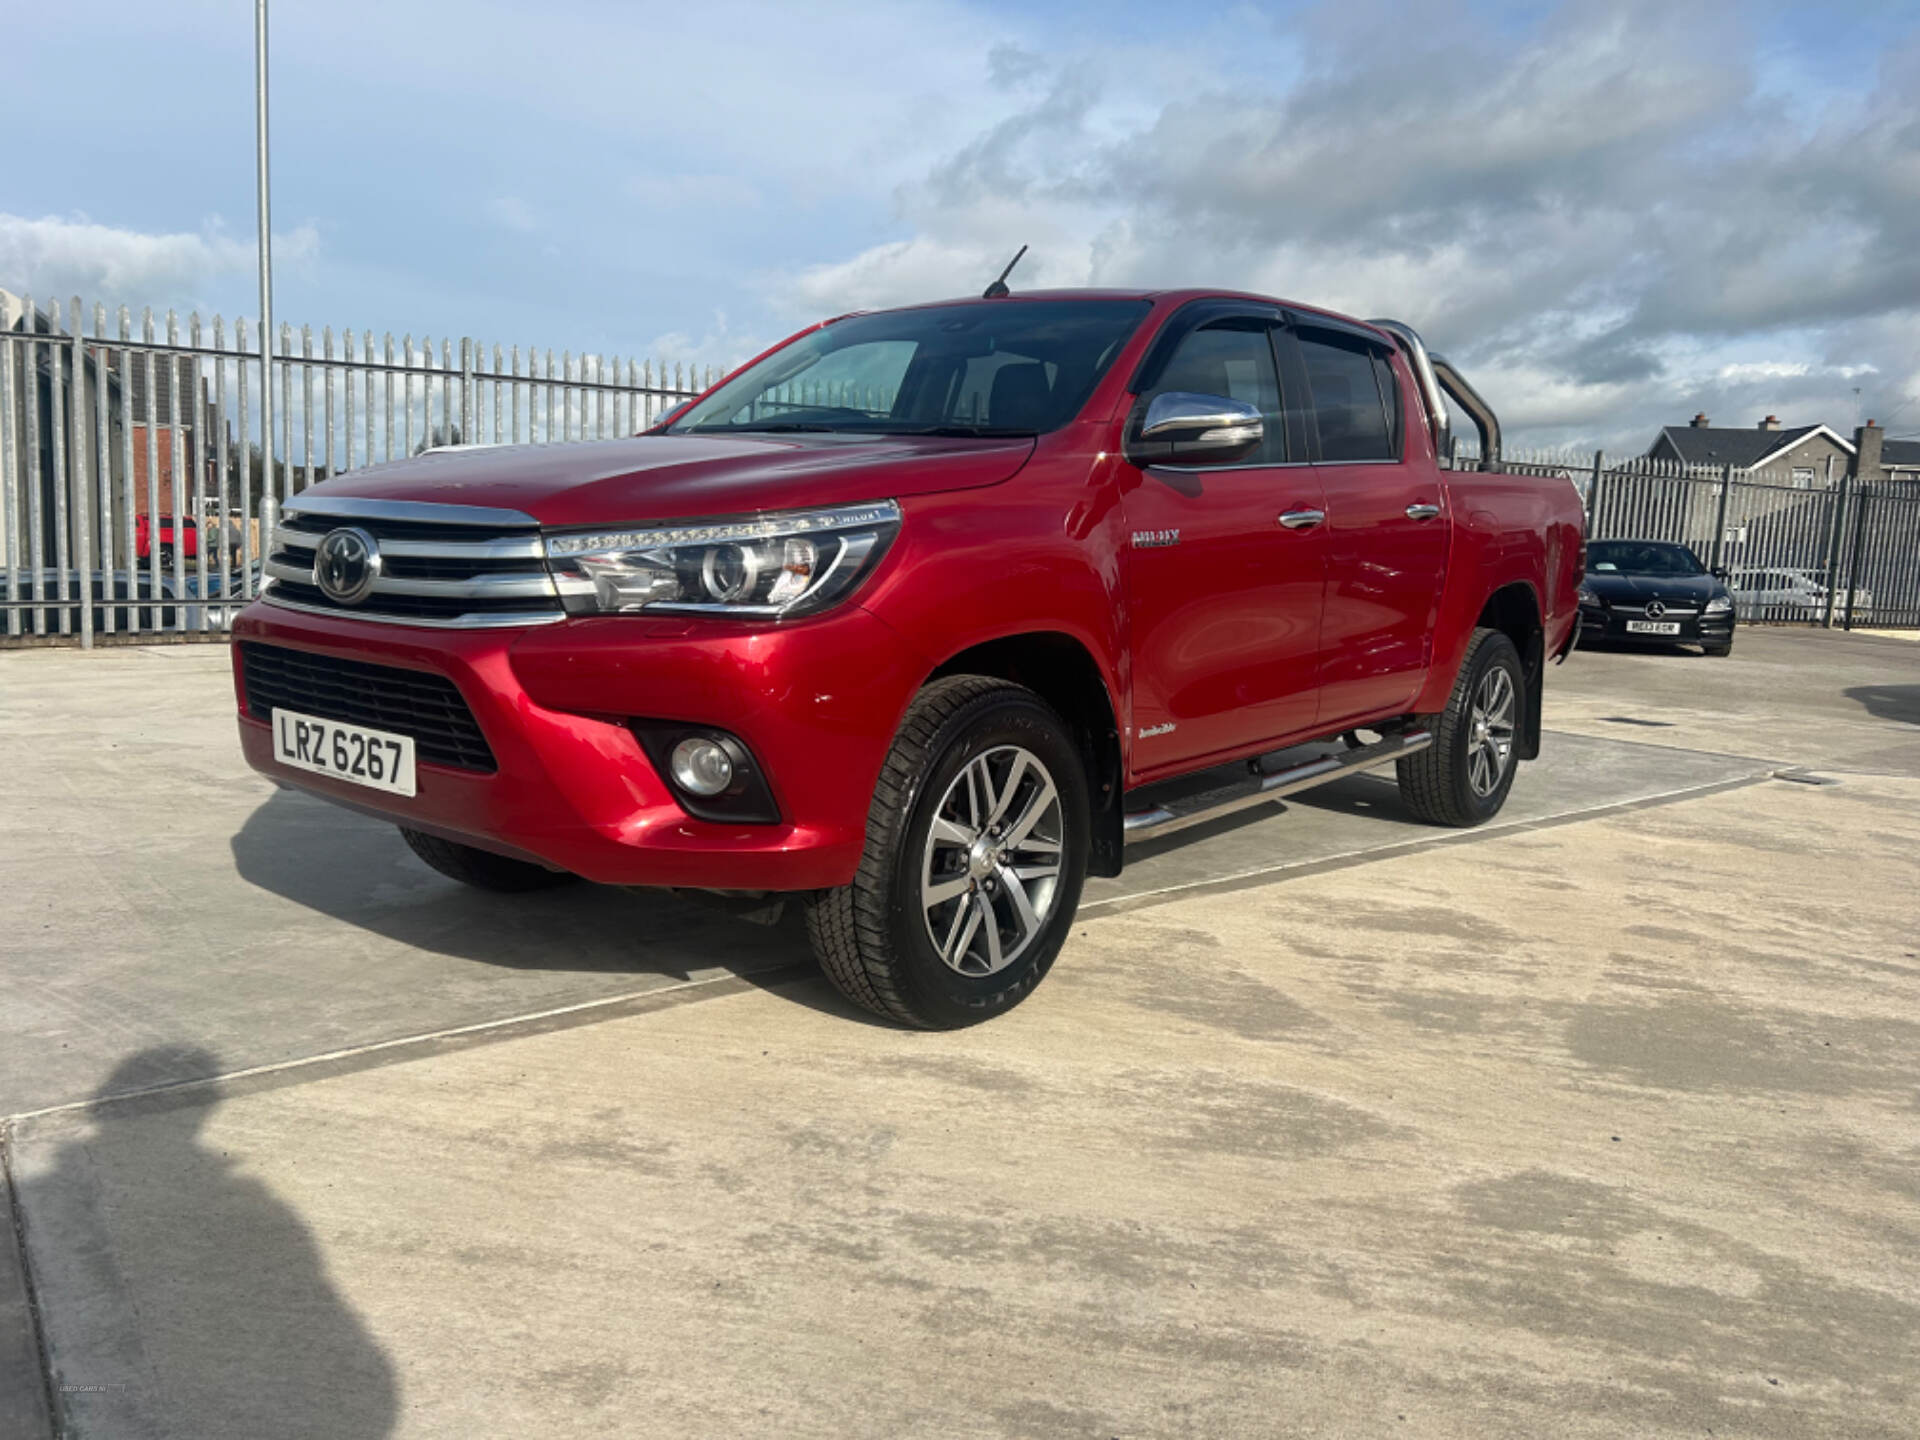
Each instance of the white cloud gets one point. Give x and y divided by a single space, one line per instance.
1613 213
1602 217
719 343
56 257
1762 370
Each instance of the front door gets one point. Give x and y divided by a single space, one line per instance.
1224 600
1386 530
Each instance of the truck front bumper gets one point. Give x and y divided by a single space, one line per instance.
817 702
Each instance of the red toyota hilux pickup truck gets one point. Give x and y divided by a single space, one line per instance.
911 616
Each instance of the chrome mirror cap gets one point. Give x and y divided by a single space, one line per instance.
1181 427
1182 415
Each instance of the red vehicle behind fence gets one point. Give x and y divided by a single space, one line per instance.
912 616
143 537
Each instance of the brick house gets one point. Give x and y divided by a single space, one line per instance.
171 375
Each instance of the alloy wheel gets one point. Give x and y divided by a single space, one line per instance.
992 861
1490 740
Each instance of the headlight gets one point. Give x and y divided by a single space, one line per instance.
1589 598
794 563
1719 605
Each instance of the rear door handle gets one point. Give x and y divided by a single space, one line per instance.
1302 519
1422 512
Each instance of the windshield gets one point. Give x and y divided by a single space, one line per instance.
1637 557
1010 367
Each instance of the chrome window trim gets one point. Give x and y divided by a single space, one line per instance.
505 620
354 507
1217 469
1269 465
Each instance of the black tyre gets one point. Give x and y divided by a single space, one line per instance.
481 869
976 850
1726 649
1463 777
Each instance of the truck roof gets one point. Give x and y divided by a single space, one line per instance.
1174 297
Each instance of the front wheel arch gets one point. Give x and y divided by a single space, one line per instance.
1062 671
873 936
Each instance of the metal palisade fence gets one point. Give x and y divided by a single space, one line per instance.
134 476
1835 550
136 487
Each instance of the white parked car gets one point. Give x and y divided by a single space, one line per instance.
1791 594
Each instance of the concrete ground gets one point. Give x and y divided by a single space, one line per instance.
1602 1121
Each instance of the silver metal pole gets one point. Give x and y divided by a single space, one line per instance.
266 238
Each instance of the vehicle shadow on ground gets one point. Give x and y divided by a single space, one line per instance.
1687 651
359 871
1888 702
182 1295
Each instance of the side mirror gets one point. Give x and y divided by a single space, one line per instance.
1181 428
1720 572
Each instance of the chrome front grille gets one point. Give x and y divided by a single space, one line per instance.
454 566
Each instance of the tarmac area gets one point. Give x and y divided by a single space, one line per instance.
1602 1120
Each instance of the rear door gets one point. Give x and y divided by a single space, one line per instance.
1386 530
1223 598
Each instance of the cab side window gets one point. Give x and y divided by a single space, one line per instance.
1355 402
1234 360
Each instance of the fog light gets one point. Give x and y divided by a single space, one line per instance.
713 775
701 767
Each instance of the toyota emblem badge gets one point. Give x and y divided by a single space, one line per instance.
345 565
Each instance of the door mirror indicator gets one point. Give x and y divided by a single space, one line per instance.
1183 428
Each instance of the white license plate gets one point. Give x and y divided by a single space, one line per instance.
1653 627
374 758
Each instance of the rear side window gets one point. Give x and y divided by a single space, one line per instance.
1234 360
1348 406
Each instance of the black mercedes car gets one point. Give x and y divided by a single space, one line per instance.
1651 592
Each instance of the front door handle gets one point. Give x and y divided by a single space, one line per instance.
1422 512
1302 519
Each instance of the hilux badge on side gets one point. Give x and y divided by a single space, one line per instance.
1154 539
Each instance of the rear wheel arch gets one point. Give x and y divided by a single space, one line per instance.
1062 671
1514 610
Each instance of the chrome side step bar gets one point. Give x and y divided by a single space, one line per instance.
1198 809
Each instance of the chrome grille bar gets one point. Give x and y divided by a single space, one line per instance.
530 548
445 566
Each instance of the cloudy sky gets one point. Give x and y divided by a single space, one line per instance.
1611 214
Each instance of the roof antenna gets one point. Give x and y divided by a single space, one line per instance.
998 289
